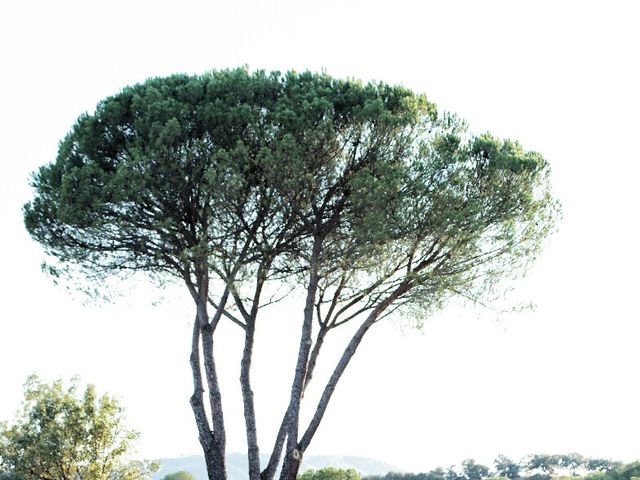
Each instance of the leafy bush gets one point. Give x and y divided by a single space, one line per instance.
330 473
181 475
62 434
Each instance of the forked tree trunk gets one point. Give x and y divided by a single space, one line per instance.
214 462
341 366
212 434
292 463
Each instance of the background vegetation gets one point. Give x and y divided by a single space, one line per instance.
62 434
532 467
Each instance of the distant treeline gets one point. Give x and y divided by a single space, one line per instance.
533 467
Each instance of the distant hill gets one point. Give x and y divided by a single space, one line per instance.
237 465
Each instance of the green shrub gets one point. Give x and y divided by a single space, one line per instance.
181 475
330 473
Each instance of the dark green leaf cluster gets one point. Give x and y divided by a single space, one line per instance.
629 471
183 168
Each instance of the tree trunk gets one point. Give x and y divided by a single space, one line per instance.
293 454
335 377
270 471
205 434
215 401
249 408
253 451
212 435
291 465
313 358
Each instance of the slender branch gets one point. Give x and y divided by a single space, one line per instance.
354 300
322 290
336 296
352 316
230 316
276 452
313 358
240 304
344 361
274 300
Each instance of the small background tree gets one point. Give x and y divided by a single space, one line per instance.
181 475
60 434
330 473
473 470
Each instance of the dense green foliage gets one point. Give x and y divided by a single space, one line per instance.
330 473
630 471
61 435
184 169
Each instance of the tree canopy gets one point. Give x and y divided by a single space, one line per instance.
360 196
62 435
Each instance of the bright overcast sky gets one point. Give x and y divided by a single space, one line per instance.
561 77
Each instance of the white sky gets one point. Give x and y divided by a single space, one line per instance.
562 77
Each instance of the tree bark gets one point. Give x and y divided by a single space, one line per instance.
313 358
253 451
293 455
248 403
291 464
215 398
197 405
213 443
